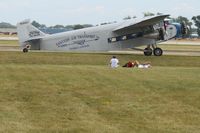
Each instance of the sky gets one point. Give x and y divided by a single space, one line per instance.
69 12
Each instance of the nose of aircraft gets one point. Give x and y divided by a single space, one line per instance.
181 29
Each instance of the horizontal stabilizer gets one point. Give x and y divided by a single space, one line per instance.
27 32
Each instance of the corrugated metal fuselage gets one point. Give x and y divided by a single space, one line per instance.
99 38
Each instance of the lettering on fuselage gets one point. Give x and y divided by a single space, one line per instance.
77 42
34 33
25 22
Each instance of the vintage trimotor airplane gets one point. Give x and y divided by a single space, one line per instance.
117 36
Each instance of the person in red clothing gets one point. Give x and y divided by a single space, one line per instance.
137 64
129 64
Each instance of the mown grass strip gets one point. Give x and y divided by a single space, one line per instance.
62 58
79 92
94 98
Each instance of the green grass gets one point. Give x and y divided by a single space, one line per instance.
61 58
73 92
9 43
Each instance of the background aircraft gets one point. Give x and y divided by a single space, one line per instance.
117 36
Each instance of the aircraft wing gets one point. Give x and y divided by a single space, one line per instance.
33 38
141 23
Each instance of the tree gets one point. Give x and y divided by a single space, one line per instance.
43 26
134 17
196 20
70 27
146 14
159 13
129 17
6 25
181 19
87 25
78 26
126 18
58 26
38 25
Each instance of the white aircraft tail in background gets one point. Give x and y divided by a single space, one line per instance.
117 36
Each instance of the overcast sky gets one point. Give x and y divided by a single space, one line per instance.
66 12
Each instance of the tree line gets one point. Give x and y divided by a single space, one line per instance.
195 20
58 26
6 25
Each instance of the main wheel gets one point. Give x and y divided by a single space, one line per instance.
157 51
147 51
25 50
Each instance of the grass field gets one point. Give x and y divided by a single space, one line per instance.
9 43
79 93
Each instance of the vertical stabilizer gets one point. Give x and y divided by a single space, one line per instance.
27 32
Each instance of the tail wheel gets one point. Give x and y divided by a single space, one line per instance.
148 52
25 50
157 51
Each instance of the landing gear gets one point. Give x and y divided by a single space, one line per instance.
156 51
27 47
25 50
148 51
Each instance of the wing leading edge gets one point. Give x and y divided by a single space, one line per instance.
141 23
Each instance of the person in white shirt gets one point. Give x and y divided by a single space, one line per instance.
114 62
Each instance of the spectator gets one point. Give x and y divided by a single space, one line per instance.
137 64
142 65
129 64
114 62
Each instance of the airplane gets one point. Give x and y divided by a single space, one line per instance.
131 34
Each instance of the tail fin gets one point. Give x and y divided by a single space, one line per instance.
27 32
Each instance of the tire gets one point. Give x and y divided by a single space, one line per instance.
158 52
147 51
25 50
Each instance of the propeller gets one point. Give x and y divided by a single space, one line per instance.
184 28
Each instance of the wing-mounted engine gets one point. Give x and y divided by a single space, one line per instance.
171 32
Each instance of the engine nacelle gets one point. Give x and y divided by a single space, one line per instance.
171 32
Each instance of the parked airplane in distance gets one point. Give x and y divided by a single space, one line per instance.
117 36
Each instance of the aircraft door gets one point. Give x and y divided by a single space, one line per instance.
35 44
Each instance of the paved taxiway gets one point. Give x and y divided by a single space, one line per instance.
166 52
8 38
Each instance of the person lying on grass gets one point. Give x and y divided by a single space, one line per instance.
137 64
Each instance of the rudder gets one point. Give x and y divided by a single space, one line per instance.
27 32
